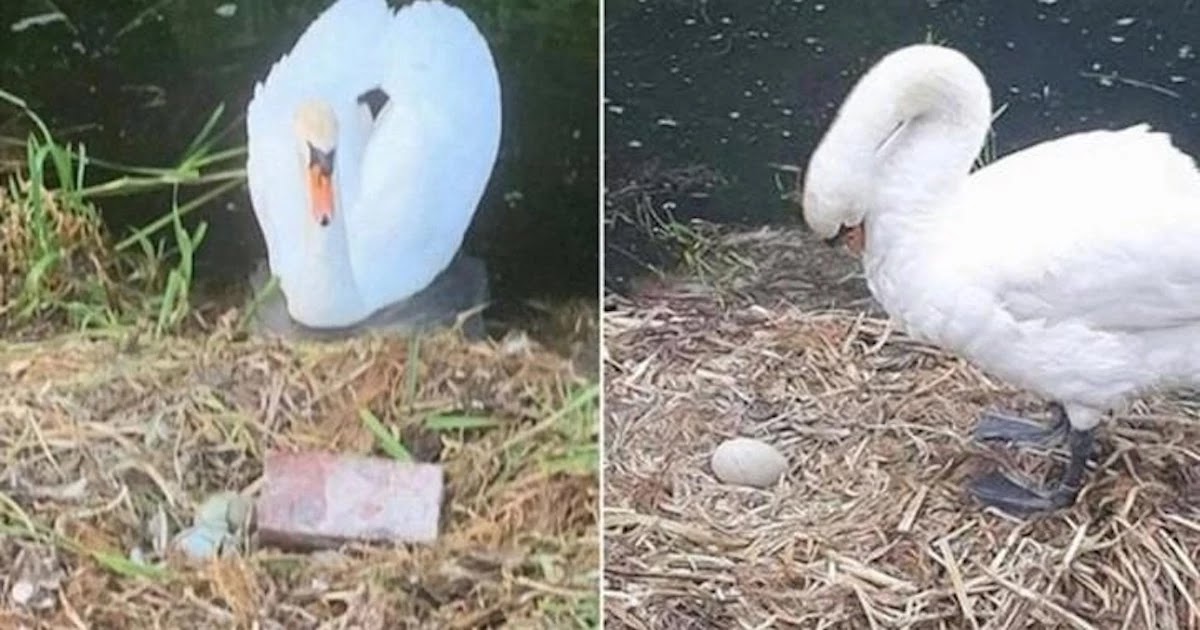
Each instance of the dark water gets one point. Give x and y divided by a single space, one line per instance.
136 80
737 86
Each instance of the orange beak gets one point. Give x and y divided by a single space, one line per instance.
853 237
856 239
320 191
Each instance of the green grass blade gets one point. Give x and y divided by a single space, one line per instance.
167 219
411 370
459 423
582 460
202 142
585 396
125 567
257 302
20 103
387 441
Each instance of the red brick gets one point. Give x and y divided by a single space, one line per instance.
322 499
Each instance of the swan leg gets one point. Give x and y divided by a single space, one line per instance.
1022 432
1001 491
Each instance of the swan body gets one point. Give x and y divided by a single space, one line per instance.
370 145
1070 268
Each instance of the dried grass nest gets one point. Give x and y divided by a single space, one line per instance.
871 528
103 438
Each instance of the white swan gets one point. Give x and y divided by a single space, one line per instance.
1070 268
370 146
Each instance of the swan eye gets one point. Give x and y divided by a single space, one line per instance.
375 100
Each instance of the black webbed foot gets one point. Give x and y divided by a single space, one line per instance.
1001 491
997 427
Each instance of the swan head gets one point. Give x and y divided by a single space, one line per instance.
834 218
316 129
908 131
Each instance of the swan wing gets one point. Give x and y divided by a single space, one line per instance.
430 154
1126 287
1100 228
330 61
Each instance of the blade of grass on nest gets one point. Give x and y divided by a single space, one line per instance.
388 442
581 397
581 459
257 301
447 422
123 566
32 530
411 370
12 512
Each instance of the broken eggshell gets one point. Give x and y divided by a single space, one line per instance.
216 521
223 510
202 542
748 462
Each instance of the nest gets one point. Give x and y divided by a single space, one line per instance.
871 527
103 439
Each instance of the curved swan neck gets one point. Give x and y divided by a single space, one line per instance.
321 292
911 128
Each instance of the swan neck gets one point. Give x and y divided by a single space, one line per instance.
323 292
919 118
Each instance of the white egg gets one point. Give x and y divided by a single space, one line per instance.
748 462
